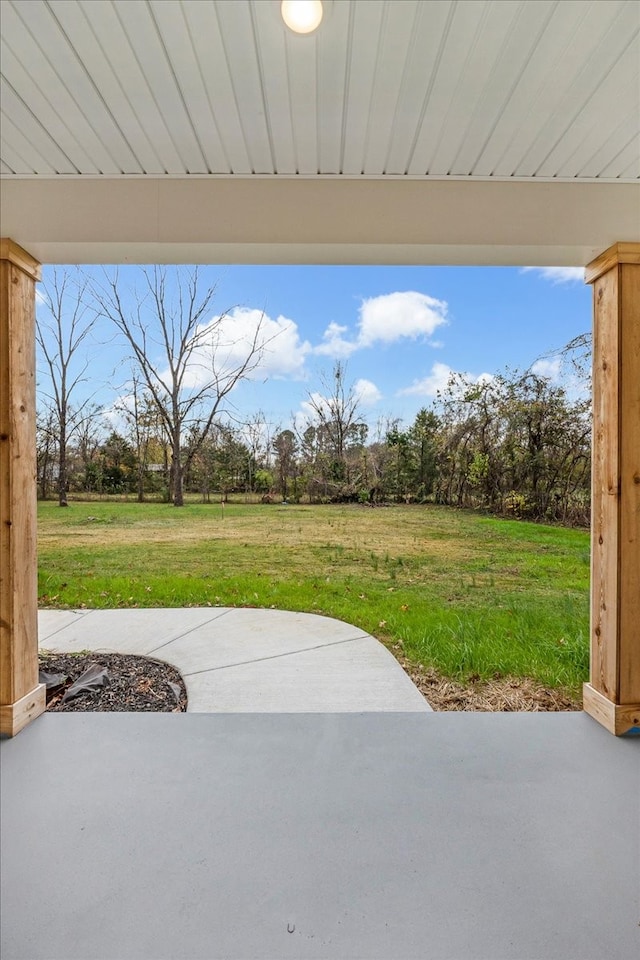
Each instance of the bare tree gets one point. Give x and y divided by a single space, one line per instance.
139 411
338 410
185 358
46 445
337 418
257 439
64 320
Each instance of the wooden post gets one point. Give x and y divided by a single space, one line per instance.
613 695
22 698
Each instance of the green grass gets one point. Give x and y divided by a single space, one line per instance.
470 595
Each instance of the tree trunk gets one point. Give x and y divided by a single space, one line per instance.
44 474
176 472
62 464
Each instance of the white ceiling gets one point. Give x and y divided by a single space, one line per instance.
500 89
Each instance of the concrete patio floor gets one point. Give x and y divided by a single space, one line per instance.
330 835
343 832
247 660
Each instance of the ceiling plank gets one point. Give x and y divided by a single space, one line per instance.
396 42
559 95
334 43
468 16
625 158
84 34
146 43
366 41
54 101
633 170
509 64
301 59
102 137
605 43
238 39
113 38
615 142
12 159
420 68
13 108
18 148
467 102
609 104
204 29
178 44
546 50
274 78
41 108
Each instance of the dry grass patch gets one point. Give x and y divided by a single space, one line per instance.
389 532
501 694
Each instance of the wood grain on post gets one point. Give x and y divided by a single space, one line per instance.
22 698
613 694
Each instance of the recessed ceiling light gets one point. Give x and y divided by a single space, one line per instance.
302 16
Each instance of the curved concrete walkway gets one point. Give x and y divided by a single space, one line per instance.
248 660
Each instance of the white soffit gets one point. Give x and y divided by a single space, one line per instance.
500 89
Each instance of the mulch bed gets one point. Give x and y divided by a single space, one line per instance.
133 684
507 694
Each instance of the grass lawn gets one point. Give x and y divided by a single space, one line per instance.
469 595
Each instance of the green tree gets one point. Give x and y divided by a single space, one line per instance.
423 435
285 447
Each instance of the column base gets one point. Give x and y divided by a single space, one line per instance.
616 717
15 716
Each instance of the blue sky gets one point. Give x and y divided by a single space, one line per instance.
400 330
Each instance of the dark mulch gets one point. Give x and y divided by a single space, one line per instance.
137 684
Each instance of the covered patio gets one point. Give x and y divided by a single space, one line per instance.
402 131
379 835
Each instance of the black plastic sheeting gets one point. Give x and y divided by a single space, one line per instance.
52 680
91 680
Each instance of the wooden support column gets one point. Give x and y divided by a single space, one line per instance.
22 698
613 695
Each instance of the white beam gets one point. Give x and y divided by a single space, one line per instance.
320 220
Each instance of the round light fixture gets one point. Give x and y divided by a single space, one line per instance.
302 16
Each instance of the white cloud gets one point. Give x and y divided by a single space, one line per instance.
558 274
437 381
394 316
333 343
386 319
367 393
432 384
549 368
230 339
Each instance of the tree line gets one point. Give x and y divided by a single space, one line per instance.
515 444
